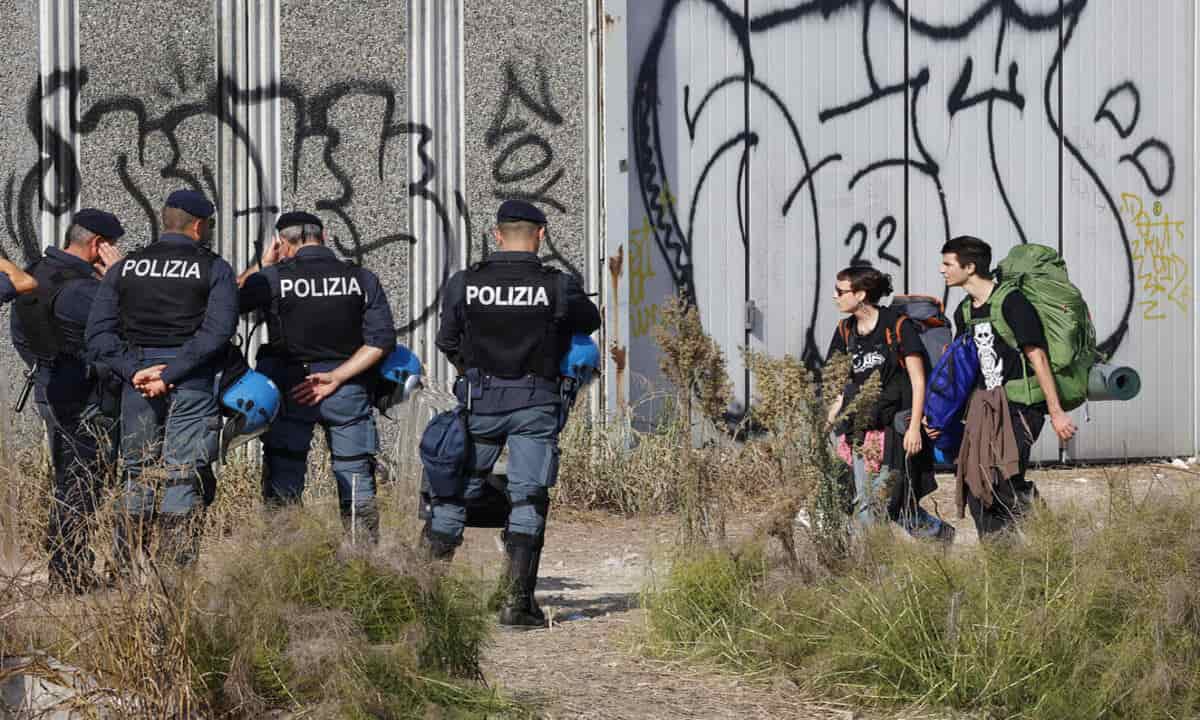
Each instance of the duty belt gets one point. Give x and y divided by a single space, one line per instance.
477 382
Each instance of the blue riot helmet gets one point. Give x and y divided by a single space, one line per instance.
401 372
582 361
251 404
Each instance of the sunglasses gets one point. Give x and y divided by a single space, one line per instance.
840 292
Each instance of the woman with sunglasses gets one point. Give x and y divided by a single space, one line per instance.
890 459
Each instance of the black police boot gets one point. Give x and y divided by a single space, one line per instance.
436 546
179 537
520 609
364 526
131 535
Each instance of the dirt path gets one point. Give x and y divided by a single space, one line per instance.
586 665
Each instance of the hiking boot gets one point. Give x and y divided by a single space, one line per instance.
520 608
946 532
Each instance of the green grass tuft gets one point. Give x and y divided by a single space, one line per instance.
1088 616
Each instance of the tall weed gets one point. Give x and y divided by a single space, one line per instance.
1086 615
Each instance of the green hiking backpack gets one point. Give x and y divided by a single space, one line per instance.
1041 275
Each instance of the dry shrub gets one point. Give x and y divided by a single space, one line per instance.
615 467
692 361
695 367
792 405
279 615
1085 614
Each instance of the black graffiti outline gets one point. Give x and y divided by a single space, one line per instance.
221 100
1135 158
1105 113
502 127
677 249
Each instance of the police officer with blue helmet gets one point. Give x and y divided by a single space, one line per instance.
69 393
162 319
329 325
506 325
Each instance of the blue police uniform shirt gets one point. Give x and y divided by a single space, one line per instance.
104 342
378 328
7 292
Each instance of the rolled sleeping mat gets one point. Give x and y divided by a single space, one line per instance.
1113 382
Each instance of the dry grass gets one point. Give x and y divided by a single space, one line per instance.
1085 614
281 614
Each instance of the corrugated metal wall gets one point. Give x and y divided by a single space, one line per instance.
772 143
358 112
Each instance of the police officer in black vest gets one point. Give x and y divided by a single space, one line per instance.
47 331
162 320
329 324
506 324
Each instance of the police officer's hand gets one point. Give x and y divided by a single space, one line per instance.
147 375
109 256
273 252
155 388
315 388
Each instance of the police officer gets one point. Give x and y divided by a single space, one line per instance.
47 330
329 324
162 320
506 324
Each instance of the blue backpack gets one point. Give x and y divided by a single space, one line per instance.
950 385
445 445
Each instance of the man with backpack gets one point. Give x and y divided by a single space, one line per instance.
162 321
1015 389
329 324
69 393
507 323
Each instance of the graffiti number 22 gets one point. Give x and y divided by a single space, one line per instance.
885 231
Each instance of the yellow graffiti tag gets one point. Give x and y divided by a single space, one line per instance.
1163 276
641 268
641 265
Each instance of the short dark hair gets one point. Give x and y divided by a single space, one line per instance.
519 228
176 220
296 234
76 235
864 278
970 249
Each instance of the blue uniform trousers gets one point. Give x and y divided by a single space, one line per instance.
532 437
350 433
82 453
168 445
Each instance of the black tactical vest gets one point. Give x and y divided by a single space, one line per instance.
47 336
163 293
512 319
318 312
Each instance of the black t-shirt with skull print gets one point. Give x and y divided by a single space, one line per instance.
998 361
